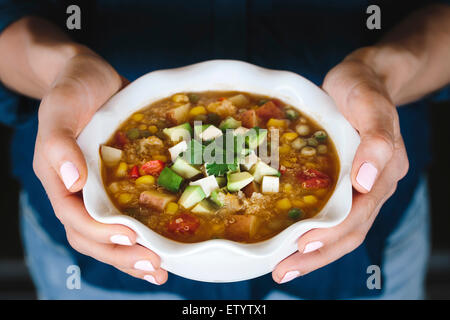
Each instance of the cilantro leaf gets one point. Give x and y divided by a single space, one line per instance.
219 169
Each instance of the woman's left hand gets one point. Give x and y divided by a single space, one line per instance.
380 162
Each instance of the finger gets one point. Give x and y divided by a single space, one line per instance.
69 209
62 152
83 87
320 247
299 264
364 102
136 257
157 277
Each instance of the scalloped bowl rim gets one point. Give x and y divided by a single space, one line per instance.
219 75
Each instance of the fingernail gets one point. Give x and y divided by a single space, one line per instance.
69 174
312 246
290 276
120 239
366 176
151 279
144 265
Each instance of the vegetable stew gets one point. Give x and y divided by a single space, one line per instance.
219 165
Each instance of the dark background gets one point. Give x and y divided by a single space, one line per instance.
15 282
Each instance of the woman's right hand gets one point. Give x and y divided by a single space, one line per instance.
83 85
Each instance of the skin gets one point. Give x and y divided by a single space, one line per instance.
410 62
72 82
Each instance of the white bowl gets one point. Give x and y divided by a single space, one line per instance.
219 260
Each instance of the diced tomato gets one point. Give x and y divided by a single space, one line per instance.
221 98
282 169
153 167
249 119
120 139
183 224
277 102
270 110
313 179
134 172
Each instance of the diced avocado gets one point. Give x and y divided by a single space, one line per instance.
236 181
194 152
170 180
204 206
218 197
248 161
181 132
261 169
191 196
184 169
229 123
255 137
208 184
221 181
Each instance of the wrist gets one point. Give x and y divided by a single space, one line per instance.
393 65
49 66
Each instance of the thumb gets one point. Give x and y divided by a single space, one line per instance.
362 98
374 116
65 157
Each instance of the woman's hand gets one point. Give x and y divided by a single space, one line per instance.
380 162
84 84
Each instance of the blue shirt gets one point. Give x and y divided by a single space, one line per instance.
307 37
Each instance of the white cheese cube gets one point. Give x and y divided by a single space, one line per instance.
210 133
208 184
240 130
249 160
270 184
177 149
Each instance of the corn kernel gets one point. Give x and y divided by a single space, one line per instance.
286 163
298 203
138 117
284 149
145 180
124 198
171 208
160 157
321 192
311 165
283 204
197 111
122 170
287 188
289 136
153 129
180 98
310 199
142 127
276 123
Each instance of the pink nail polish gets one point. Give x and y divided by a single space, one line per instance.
150 279
312 246
144 265
120 239
69 174
290 276
366 175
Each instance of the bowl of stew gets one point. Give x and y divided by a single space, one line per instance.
219 167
